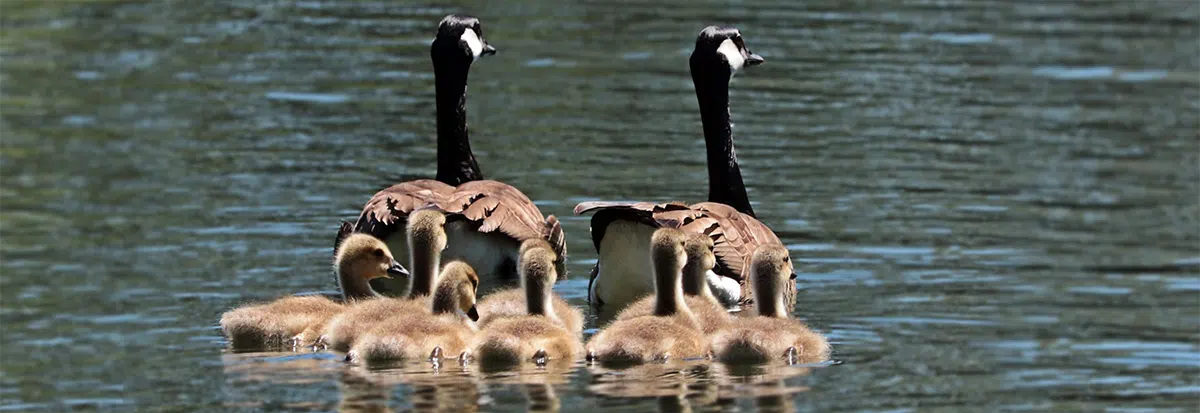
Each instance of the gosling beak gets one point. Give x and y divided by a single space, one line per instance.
488 50
792 277
473 314
753 59
396 270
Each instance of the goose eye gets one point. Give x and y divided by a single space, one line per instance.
378 252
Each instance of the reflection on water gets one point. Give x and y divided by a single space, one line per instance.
416 386
994 205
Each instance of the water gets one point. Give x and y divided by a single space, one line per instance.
994 204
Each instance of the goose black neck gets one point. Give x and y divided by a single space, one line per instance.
456 163
725 183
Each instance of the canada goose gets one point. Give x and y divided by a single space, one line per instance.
446 330
672 331
621 230
428 239
770 335
512 302
360 259
709 312
489 218
538 335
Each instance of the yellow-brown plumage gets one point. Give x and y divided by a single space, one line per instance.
447 327
511 302
697 296
672 331
427 240
291 321
770 335
539 332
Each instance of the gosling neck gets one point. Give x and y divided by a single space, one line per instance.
695 281
768 298
538 294
425 259
669 295
445 299
354 287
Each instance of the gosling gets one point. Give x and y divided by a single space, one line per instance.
770 335
446 330
426 240
296 320
540 334
512 302
699 298
672 331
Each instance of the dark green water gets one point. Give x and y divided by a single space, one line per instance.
995 205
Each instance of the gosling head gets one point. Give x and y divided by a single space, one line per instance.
772 263
460 40
538 262
456 290
700 259
770 270
722 46
667 251
365 257
427 227
699 249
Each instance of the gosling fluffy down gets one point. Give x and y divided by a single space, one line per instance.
291 321
709 312
446 330
672 331
770 335
539 334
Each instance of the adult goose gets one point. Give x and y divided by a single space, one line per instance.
621 230
486 220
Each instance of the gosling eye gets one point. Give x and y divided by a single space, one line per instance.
378 252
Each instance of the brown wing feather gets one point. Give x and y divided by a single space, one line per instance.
388 209
735 240
558 240
344 230
647 213
735 235
497 206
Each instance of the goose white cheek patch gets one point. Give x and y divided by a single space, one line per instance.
732 55
473 42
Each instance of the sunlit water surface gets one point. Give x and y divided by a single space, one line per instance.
993 204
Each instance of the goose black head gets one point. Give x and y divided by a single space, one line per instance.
460 37
722 45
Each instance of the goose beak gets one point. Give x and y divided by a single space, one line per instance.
753 59
473 314
396 270
488 50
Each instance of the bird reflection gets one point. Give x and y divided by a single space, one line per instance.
448 387
535 383
676 386
360 394
766 384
